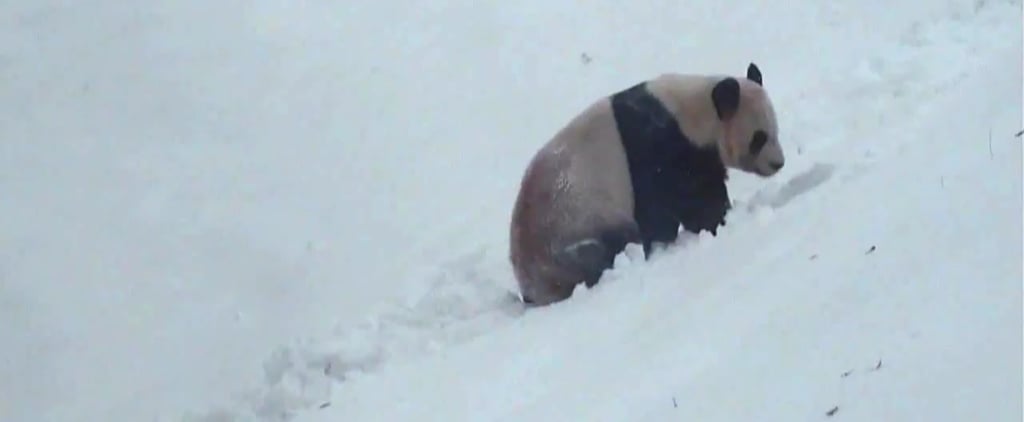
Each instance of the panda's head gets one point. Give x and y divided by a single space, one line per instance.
749 140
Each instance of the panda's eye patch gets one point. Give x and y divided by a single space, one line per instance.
758 142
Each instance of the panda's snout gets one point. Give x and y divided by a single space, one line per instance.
768 168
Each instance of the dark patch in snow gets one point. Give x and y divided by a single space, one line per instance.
325 405
1019 133
674 404
871 369
832 411
870 250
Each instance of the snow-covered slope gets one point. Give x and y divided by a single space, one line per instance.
254 210
886 288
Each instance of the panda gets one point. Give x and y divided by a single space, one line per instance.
633 167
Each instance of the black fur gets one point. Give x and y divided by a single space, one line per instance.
674 181
726 97
758 142
754 74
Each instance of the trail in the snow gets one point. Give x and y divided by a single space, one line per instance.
471 295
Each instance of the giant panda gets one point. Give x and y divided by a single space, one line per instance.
633 167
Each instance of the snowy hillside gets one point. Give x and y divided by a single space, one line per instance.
239 211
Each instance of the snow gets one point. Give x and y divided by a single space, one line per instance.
298 210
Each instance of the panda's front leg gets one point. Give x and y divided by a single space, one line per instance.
657 224
719 205
704 209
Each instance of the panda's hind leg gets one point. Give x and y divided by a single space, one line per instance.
591 256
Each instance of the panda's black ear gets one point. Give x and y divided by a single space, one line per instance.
754 74
726 97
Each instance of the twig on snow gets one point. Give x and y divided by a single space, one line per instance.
870 250
1019 133
674 404
877 366
832 411
846 374
325 404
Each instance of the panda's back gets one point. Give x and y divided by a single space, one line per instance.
593 176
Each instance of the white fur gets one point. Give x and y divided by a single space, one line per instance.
594 178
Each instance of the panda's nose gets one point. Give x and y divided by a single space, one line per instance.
777 165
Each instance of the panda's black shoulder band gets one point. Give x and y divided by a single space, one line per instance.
674 181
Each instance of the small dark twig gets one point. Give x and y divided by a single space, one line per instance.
878 365
847 373
870 250
832 411
1019 133
674 404
813 257
325 404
